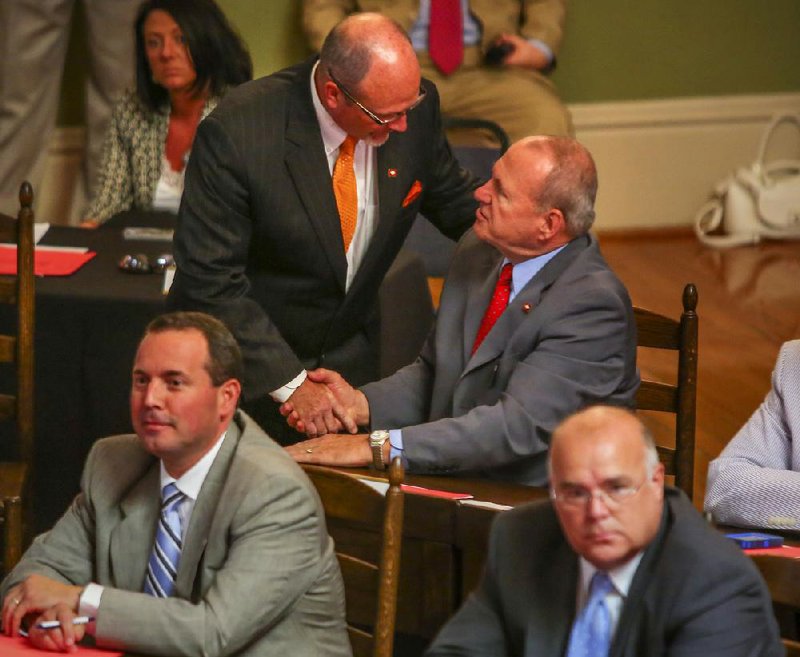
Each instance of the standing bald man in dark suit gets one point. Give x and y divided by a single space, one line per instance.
259 242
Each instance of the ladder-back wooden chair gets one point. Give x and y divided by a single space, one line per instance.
18 292
782 576
370 575
660 332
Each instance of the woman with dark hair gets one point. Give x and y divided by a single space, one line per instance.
187 56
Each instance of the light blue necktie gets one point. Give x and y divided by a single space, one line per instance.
591 631
163 565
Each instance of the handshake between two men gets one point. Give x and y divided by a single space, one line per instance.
347 410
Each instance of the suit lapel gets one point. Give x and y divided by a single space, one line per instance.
496 341
196 535
633 609
549 625
479 294
308 168
131 541
392 188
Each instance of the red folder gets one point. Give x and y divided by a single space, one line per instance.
46 261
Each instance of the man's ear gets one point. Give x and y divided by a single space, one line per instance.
228 396
331 96
553 224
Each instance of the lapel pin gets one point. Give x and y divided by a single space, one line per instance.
526 308
392 173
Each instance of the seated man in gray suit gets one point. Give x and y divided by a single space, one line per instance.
199 536
614 565
755 481
532 326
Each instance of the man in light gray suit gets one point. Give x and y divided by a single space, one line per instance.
755 481
483 399
237 561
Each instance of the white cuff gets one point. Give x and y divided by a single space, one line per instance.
284 392
89 603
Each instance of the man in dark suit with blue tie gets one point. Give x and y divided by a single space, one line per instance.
614 566
261 240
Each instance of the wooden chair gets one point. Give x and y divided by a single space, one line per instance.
661 332
18 291
370 576
782 576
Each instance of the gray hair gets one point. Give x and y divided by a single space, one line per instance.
571 185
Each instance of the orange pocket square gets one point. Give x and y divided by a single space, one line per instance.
416 190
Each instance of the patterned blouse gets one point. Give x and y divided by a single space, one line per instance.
132 156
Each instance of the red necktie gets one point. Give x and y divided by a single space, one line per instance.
502 291
445 35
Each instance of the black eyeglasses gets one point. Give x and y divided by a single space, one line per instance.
386 119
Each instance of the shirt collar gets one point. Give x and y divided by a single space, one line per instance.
621 576
332 134
190 482
524 271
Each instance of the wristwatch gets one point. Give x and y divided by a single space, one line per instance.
376 442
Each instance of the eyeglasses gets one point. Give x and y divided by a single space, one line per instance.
140 264
612 494
386 119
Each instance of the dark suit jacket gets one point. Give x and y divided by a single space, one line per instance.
694 594
567 340
258 242
257 575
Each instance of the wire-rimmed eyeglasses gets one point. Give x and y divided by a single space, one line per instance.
380 120
611 493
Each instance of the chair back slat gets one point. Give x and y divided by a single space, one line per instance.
356 514
656 331
18 290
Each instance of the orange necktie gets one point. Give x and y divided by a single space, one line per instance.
344 189
446 35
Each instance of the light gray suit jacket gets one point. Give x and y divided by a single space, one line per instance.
567 340
257 575
756 479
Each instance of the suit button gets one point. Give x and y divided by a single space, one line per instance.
321 359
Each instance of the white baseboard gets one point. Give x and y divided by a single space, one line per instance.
657 159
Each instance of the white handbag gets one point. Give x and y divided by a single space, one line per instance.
755 202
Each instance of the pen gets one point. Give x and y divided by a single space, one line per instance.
53 624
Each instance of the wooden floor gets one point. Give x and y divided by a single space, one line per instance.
749 304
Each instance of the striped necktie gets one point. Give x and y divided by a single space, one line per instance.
163 565
591 631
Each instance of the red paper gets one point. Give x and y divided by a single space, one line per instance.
430 492
21 647
46 262
785 551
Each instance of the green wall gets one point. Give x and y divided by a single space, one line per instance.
614 49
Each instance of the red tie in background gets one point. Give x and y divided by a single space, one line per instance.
502 291
344 189
445 35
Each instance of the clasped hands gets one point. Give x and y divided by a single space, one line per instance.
39 599
323 406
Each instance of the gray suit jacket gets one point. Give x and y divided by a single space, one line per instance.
257 575
755 481
259 243
694 594
567 340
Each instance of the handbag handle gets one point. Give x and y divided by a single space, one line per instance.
777 120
